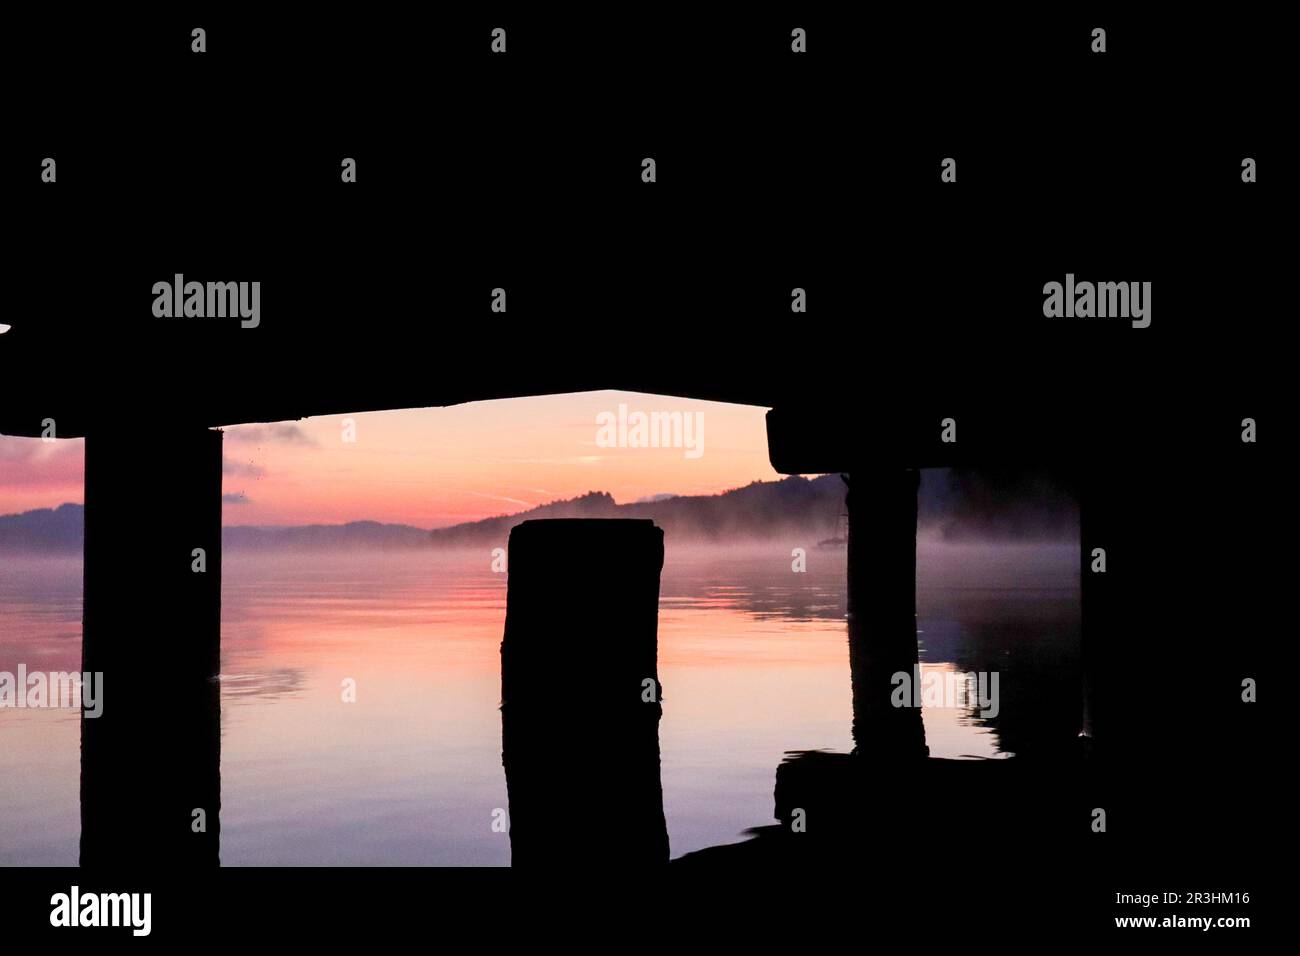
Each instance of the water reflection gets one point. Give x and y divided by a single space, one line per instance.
151 773
754 660
279 682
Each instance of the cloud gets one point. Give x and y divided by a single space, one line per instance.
22 450
33 463
283 433
579 460
513 501
236 499
241 468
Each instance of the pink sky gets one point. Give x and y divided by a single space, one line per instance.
434 466
40 474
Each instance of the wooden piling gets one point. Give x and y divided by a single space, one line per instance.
151 626
580 694
882 508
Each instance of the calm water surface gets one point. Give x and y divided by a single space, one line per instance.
753 660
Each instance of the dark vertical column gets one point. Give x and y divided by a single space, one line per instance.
1095 516
1122 522
151 626
882 506
580 694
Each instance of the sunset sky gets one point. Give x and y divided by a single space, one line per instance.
40 474
435 466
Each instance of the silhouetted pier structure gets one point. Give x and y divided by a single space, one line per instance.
152 623
882 508
580 694
152 626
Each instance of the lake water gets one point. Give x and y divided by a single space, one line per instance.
753 659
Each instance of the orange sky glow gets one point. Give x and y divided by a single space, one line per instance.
433 467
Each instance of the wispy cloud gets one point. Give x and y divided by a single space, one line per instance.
513 501
31 462
23 450
241 468
578 460
282 433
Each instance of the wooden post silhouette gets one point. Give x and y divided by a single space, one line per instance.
882 507
151 626
580 694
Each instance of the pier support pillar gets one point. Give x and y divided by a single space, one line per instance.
151 625
882 508
580 694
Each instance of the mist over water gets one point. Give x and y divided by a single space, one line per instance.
753 661
40 750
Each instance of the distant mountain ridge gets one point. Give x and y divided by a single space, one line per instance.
797 506
955 504
804 507
319 537
45 530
